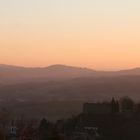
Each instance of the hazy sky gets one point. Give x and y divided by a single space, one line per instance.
100 34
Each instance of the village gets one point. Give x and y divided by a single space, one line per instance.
99 121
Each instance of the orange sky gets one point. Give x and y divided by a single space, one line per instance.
99 35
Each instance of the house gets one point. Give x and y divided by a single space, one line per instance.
81 136
101 108
96 108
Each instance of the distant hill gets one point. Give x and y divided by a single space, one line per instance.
15 74
59 91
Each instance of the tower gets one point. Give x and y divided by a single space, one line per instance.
114 106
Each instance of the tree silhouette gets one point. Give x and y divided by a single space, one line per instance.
127 104
44 130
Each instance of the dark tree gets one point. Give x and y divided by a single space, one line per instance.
114 106
44 130
127 104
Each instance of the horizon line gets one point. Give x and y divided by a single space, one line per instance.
65 65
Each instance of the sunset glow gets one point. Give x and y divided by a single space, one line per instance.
99 34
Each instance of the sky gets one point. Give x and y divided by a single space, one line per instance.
98 34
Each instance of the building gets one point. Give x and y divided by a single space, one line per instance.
96 108
101 108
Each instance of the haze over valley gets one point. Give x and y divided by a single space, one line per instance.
59 86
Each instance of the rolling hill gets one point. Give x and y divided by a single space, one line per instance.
59 91
15 74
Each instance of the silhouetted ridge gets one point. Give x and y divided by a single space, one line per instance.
16 74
